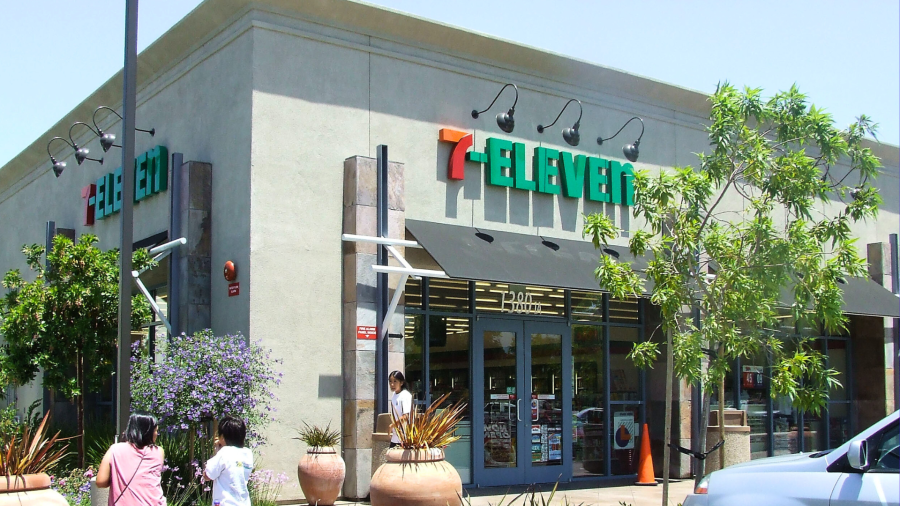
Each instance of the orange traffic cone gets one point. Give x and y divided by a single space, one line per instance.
645 466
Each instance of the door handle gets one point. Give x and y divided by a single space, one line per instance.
518 413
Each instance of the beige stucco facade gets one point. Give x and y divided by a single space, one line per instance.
276 95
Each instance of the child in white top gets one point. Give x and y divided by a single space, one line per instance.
401 401
231 466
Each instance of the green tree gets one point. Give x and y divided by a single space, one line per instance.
768 211
65 322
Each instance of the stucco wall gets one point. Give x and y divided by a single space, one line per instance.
199 107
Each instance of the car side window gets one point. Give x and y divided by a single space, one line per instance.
886 457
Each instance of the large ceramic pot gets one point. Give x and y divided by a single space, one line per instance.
416 478
321 472
29 490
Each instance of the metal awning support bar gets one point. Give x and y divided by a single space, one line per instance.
167 246
380 240
405 271
159 252
153 304
398 256
162 251
390 269
393 306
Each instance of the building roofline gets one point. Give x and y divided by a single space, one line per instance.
212 16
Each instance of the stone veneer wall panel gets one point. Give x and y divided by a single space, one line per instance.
194 264
359 280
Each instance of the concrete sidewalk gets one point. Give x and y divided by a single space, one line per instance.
575 493
612 494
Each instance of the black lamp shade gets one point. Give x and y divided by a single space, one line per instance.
631 151
107 141
81 155
506 121
571 136
58 167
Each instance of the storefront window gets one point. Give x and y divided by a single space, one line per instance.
519 299
785 437
413 332
587 401
624 376
587 306
754 400
448 295
448 366
814 437
546 400
413 294
624 311
785 420
837 360
500 418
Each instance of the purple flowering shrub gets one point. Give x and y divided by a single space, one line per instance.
202 377
75 486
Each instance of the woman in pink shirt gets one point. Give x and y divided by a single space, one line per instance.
132 470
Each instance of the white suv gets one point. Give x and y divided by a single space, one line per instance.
863 470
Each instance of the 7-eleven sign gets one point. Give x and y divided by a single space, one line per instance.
463 141
550 171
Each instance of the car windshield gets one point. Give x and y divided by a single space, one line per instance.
819 454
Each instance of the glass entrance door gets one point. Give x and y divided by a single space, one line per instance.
522 402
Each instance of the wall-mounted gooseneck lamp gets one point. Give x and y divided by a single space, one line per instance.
505 120
570 135
58 166
107 140
630 151
81 153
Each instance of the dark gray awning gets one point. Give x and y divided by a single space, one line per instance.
862 296
492 255
506 257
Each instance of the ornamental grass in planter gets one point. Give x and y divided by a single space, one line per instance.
24 462
321 471
415 472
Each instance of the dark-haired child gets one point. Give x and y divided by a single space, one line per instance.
230 467
401 402
132 468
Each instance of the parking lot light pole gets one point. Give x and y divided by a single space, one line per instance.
123 371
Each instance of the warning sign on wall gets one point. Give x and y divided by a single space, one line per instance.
365 332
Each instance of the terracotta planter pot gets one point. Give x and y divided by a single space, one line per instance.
321 472
416 478
29 490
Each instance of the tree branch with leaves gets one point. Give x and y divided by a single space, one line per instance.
65 321
768 210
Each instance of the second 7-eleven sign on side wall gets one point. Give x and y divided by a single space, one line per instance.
551 171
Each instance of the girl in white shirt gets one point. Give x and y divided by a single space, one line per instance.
401 401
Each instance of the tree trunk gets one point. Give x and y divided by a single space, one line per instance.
79 403
704 429
722 421
667 425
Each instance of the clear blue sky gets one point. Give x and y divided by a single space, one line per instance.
844 55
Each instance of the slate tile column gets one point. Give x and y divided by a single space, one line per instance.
359 281
193 260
